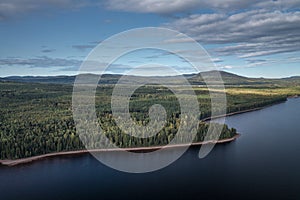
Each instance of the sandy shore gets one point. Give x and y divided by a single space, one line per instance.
137 149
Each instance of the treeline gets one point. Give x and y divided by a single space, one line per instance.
22 138
255 104
37 118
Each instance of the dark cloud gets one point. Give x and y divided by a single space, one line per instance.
287 58
42 61
171 6
12 8
244 28
255 60
246 34
63 64
175 7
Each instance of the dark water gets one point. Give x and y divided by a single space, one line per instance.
263 163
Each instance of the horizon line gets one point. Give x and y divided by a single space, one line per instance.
119 74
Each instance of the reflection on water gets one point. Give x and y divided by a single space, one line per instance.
263 163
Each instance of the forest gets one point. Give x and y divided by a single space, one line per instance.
36 118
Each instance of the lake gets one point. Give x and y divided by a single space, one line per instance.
263 163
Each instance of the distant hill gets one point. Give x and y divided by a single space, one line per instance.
41 79
228 78
106 79
194 79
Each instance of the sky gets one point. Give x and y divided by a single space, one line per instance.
53 37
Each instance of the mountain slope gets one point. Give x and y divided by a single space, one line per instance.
196 79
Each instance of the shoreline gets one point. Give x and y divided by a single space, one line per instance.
244 111
137 149
11 163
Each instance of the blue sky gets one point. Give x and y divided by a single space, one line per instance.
51 37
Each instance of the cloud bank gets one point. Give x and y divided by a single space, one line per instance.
13 8
42 61
246 34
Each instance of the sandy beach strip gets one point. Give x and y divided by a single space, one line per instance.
135 149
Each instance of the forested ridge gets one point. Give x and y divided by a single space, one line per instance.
37 118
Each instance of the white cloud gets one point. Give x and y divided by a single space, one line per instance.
217 60
246 34
244 28
226 67
175 6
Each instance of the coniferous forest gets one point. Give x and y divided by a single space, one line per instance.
36 118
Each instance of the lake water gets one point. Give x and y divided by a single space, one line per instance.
263 163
